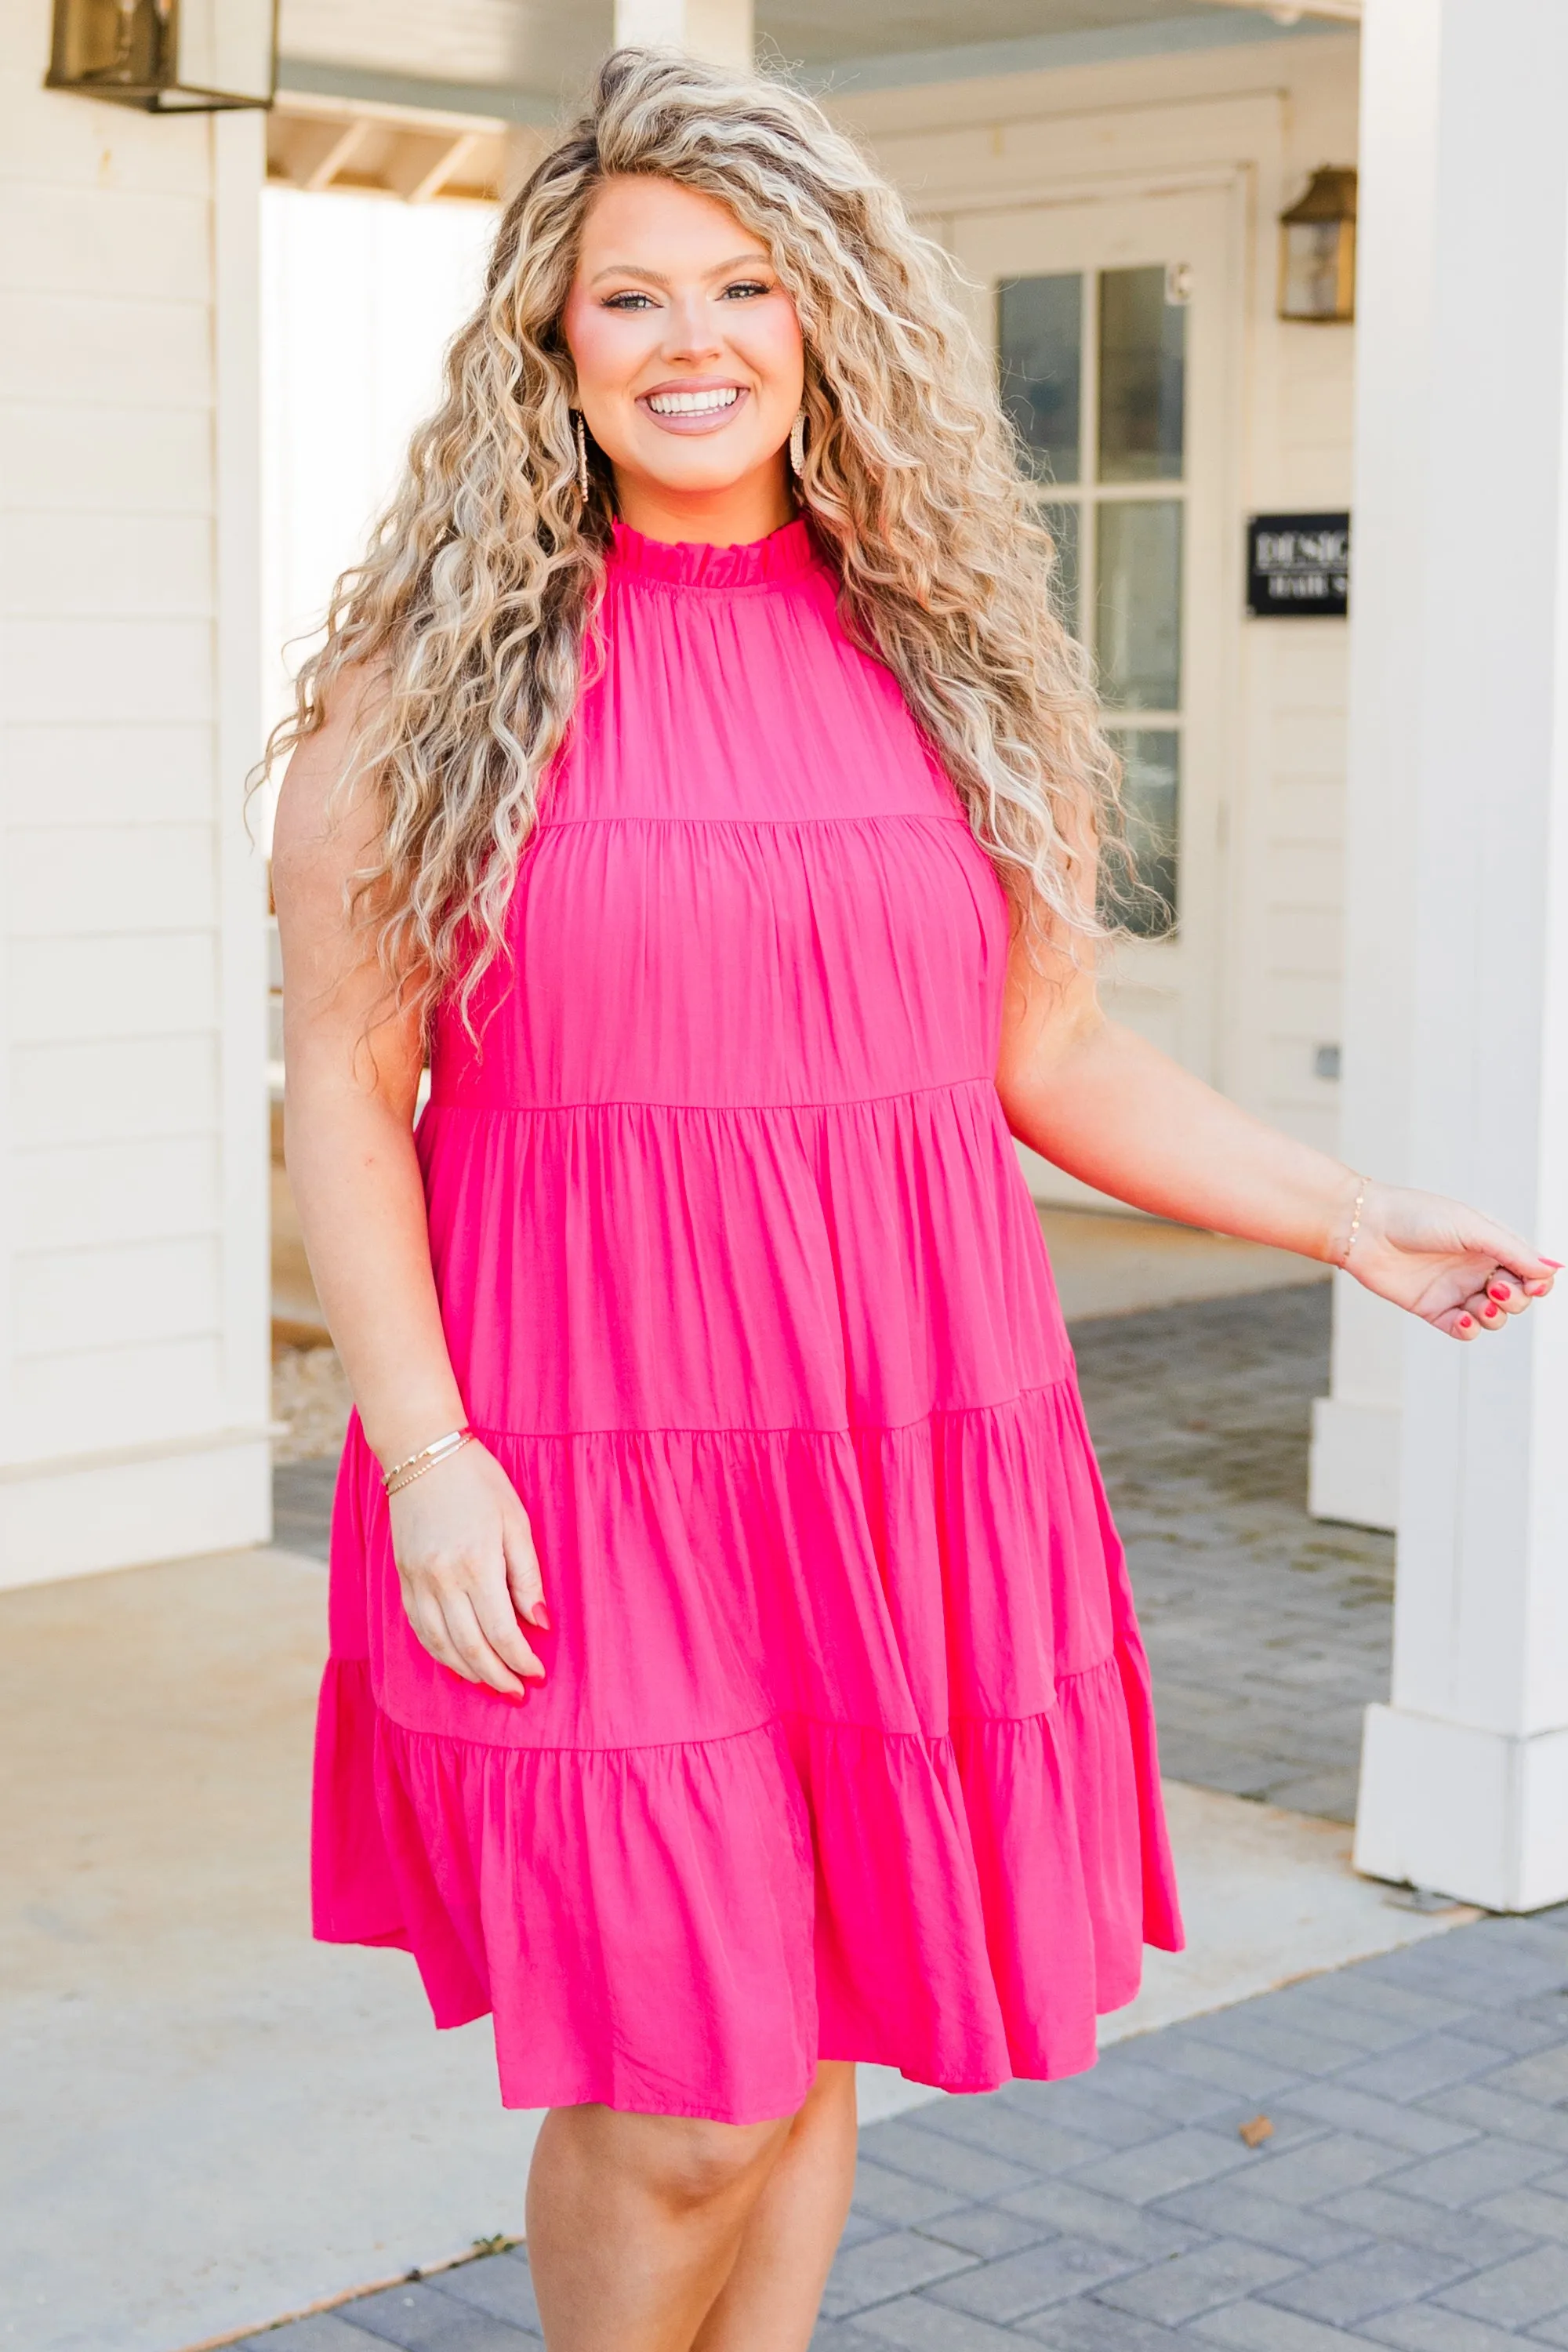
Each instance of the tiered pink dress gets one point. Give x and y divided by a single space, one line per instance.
844 1748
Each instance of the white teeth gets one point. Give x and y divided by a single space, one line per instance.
693 404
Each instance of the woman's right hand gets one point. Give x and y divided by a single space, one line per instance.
465 1554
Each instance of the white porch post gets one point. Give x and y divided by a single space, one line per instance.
1464 1774
719 29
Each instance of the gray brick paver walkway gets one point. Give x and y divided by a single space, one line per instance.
1267 1631
1122 2213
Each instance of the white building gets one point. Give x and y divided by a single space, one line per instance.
1356 820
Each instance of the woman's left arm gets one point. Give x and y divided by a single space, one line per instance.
1094 1098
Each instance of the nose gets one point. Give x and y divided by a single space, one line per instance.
690 332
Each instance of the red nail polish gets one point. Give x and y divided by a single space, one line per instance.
540 1617
1554 1263
1464 1322
1496 1291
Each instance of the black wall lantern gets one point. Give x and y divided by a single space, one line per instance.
167 56
1317 250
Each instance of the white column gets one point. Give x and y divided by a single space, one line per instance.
133 1288
1355 1430
720 30
1464 1774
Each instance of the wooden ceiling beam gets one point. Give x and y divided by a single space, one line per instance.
1291 12
379 151
421 167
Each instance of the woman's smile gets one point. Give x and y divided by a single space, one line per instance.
694 404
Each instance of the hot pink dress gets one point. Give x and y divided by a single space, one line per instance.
845 1748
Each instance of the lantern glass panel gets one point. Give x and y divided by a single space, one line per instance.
1312 270
99 41
220 50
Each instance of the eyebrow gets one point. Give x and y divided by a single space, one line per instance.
656 277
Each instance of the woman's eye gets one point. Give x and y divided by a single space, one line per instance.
747 285
628 301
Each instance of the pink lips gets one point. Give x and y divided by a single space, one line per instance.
696 421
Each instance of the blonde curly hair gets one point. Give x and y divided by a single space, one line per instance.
475 604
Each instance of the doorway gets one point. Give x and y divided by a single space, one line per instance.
1110 320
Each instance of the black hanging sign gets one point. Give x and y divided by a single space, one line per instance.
1298 567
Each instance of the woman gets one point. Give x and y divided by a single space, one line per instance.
694 765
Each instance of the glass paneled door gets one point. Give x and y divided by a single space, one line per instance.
1110 323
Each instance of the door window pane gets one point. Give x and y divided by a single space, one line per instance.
1138 634
1040 334
1062 522
1151 809
1142 368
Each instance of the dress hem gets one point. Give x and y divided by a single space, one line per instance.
738 1875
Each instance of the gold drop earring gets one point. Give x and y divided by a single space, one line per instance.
581 460
797 445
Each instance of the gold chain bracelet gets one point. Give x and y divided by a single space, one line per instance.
1355 1222
441 1449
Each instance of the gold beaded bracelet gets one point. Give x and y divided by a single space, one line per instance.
403 1473
1355 1223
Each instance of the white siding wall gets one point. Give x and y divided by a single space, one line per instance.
134 1356
1259 117
1288 891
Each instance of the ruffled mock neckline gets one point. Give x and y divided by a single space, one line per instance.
784 554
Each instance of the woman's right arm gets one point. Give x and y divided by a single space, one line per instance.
461 1537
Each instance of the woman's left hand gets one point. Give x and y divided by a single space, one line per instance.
1457 1270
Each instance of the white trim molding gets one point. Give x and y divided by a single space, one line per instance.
212 1495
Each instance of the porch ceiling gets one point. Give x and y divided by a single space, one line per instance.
542 47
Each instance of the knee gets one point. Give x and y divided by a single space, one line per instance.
696 2164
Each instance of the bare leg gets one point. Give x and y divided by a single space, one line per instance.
634 2222
769 2301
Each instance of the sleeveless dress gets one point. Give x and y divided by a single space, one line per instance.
844 1748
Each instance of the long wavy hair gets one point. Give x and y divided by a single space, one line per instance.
473 610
